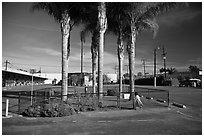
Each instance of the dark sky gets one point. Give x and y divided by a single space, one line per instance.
33 40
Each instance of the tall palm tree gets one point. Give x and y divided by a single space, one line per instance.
82 36
67 14
141 15
101 26
117 24
95 22
94 49
89 21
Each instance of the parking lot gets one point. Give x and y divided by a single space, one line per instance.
146 121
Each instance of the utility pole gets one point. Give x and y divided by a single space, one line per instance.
143 62
127 68
155 66
155 78
6 64
164 58
32 71
115 68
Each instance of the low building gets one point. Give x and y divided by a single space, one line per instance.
113 78
13 77
78 79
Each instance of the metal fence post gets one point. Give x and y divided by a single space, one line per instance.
49 95
147 92
7 106
19 101
168 98
44 95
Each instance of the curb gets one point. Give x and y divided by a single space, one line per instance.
178 105
149 97
161 100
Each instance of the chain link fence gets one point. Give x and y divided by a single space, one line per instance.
83 97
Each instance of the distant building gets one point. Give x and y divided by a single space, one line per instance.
112 78
13 77
51 77
77 79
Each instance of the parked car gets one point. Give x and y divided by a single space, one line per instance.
190 83
186 83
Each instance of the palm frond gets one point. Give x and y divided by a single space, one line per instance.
56 9
160 8
150 25
83 37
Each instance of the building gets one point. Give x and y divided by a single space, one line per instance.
77 79
113 78
13 77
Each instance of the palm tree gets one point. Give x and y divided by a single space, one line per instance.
82 54
142 15
90 27
94 48
67 14
101 26
117 24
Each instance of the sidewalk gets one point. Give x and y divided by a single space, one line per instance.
159 121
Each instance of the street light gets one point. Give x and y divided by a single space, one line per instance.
32 71
155 61
164 58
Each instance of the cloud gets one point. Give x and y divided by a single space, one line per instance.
47 51
196 60
176 17
86 44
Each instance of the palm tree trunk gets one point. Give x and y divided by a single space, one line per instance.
65 29
102 24
131 61
82 57
94 74
94 57
120 60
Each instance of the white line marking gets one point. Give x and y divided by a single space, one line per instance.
184 114
104 121
145 120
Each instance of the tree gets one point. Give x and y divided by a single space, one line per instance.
194 70
141 16
117 24
90 26
101 26
67 14
94 51
169 70
96 23
139 74
82 55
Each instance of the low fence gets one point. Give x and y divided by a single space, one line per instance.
110 98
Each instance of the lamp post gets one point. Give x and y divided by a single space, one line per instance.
164 58
32 71
155 64
143 60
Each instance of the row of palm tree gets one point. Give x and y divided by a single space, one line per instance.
124 19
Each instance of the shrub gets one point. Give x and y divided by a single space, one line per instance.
88 103
111 92
54 108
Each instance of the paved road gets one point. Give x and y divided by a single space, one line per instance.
165 121
146 121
